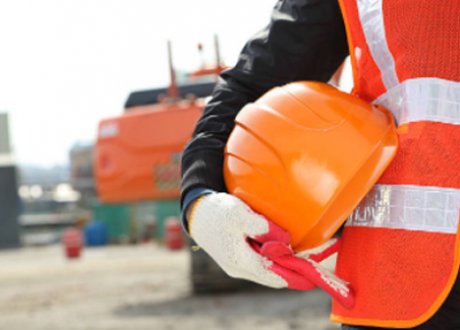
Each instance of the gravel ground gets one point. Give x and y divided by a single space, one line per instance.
137 287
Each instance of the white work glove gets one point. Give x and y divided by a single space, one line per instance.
248 246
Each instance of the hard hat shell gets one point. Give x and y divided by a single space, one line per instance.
305 154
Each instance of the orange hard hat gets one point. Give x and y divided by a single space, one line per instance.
305 154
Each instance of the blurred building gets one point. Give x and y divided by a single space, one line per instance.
81 170
49 204
47 177
9 201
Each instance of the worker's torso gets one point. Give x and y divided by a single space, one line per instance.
401 247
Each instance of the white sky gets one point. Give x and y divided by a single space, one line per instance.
65 64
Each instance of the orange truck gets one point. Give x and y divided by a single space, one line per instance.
138 153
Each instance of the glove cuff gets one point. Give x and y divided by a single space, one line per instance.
193 206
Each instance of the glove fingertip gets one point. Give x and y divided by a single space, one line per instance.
274 249
274 233
347 301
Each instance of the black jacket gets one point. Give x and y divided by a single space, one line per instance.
305 40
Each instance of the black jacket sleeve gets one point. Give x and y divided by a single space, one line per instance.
305 40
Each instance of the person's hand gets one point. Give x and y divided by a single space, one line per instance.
307 263
248 246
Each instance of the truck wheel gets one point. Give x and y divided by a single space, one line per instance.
208 277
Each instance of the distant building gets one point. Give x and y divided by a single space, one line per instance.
49 204
81 170
9 201
46 177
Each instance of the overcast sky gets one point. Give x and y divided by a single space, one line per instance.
65 64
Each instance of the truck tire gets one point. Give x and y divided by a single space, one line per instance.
207 277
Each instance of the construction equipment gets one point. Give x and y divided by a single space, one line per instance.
137 155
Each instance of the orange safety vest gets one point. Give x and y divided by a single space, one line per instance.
400 246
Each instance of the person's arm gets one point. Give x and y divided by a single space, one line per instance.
305 40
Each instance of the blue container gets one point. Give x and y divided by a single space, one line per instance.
95 234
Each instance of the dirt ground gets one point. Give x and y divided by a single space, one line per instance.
136 287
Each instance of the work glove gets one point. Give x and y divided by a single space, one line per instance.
246 245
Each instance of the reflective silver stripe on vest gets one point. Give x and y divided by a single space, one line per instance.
430 209
371 16
424 99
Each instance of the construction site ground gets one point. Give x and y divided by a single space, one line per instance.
137 287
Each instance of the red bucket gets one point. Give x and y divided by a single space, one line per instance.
72 241
173 234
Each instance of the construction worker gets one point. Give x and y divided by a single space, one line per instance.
400 247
